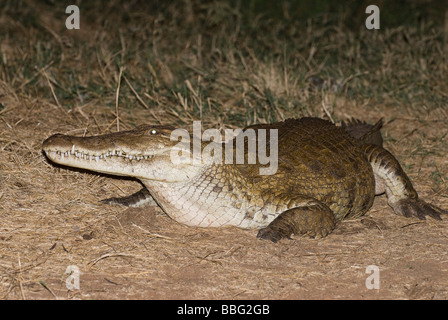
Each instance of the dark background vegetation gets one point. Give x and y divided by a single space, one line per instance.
228 41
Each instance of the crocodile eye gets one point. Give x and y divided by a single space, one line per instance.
153 132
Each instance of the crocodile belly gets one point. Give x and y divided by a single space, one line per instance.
209 208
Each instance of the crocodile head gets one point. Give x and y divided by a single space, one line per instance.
145 152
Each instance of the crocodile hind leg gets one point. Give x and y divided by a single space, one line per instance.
138 199
314 219
401 195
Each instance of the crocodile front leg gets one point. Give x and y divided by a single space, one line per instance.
139 199
314 219
401 195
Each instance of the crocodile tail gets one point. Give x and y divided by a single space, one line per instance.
366 133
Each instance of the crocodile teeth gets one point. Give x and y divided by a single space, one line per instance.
104 156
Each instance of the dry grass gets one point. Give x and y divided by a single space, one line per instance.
175 62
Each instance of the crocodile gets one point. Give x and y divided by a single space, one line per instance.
325 173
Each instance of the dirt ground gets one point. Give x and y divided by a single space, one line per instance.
51 218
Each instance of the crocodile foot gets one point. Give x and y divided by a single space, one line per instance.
316 221
139 199
417 208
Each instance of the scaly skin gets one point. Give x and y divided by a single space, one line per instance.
324 175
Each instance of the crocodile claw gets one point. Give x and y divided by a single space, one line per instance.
417 208
270 234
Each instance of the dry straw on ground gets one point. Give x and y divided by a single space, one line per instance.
184 61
